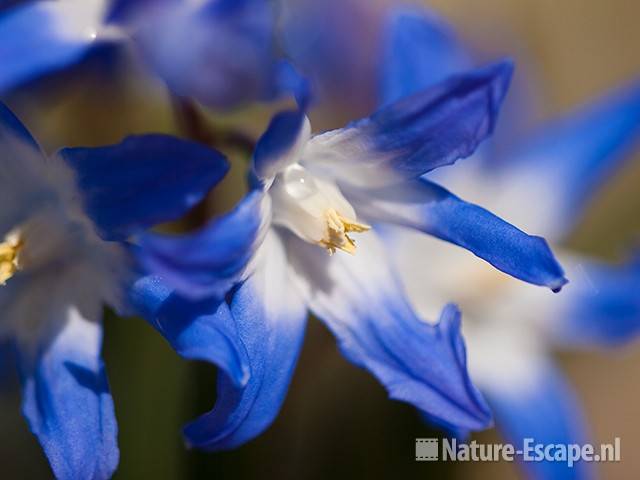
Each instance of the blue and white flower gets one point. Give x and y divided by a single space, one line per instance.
219 52
290 247
543 183
64 222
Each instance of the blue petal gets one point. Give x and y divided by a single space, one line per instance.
420 51
271 319
579 152
360 299
602 307
281 144
221 53
6 4
123 11
211 261
408 138
289 81
67 403
546 411
196 330
143 181
321 40
39 37
427 207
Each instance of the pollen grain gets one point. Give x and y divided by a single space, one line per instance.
337 229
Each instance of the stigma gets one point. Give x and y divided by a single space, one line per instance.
337 229
314 209
10 256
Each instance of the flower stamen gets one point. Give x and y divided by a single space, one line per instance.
337 229
10 256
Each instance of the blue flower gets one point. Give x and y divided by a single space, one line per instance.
64 222
220 52
338 59
290 247
543 183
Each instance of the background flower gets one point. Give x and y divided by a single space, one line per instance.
546 180
66 220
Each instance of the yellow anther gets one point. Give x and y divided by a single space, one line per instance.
9 256
337 229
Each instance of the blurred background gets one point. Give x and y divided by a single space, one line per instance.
337 420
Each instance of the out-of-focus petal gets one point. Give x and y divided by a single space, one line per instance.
271 320
518 416
220 52
67 403
39 37
143 181
576 154
339 60
427 207
410 137
209 262
420 50
602 305
359 298
528 396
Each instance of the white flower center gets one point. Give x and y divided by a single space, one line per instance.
314 209
51 257
50 239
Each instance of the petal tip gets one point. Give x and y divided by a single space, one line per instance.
556 287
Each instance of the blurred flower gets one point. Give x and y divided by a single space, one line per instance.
283 240
64 222
330 43
544 183
220 52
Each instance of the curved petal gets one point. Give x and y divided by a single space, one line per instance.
427 207
219 52
408 138
196 330
67 403
39 37
359 298
143 181
420 51
281 144
576 154
271 319
209 262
